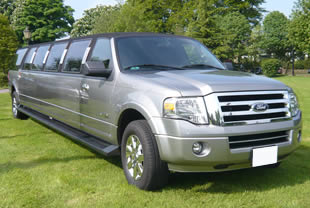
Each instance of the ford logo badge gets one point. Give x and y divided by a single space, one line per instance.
259 107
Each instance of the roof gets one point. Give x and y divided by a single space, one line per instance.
108 35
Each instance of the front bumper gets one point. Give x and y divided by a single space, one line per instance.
175 139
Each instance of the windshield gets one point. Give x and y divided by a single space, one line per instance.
164 53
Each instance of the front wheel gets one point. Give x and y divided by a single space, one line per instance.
15 104
140 157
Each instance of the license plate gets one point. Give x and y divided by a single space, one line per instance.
265 156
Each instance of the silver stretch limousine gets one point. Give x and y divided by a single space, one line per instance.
162 102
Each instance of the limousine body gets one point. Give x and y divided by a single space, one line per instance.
162 102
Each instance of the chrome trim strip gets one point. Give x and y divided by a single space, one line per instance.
32 58
238 123
85 55
66 109
251 112
251 93
45 57
63 56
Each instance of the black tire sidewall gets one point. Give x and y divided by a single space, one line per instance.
146 138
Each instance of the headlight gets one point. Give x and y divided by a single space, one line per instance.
190 109
294 107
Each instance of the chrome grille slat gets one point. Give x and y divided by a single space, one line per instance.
248 122
239 113
269 138
238 108
251 102
255 140
250 97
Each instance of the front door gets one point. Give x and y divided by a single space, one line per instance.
96 95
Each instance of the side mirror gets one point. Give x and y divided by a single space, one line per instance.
97 68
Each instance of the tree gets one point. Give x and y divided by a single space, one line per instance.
85 25
8 45
198 21
194 18
138 16
106 21
7 7
254 48
47 19
275 40
235 31
299 28
250 9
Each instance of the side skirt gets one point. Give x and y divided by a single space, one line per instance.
95 144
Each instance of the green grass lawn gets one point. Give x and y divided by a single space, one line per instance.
40 168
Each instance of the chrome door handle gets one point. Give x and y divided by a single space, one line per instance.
85 87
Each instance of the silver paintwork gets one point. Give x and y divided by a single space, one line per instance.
95 105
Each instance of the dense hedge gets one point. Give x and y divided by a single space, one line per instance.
270 67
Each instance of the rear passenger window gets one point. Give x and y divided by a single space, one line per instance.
75 56
38 60
102 52
29 59
54 57
20 55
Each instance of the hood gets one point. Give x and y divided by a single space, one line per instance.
202 82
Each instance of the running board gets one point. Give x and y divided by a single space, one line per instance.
87 140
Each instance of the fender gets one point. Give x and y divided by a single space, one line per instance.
142 110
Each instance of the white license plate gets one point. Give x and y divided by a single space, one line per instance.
265 156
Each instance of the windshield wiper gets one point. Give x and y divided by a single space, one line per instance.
201 66
160 67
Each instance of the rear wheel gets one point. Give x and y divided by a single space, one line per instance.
140 157
15 104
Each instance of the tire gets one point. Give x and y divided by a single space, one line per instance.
140 157
15 103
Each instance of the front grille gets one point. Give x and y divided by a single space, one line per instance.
255 140
250 97
238 108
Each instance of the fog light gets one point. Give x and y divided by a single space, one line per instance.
299 137
197 148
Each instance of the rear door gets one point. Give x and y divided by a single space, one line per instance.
26 81
96 94
60 90
34 74
20 55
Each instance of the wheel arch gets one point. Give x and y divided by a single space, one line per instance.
129 114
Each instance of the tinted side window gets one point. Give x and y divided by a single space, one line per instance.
75 56
102 52
55 56
38 60
20 55
29 59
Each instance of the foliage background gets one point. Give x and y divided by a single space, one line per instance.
8 47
